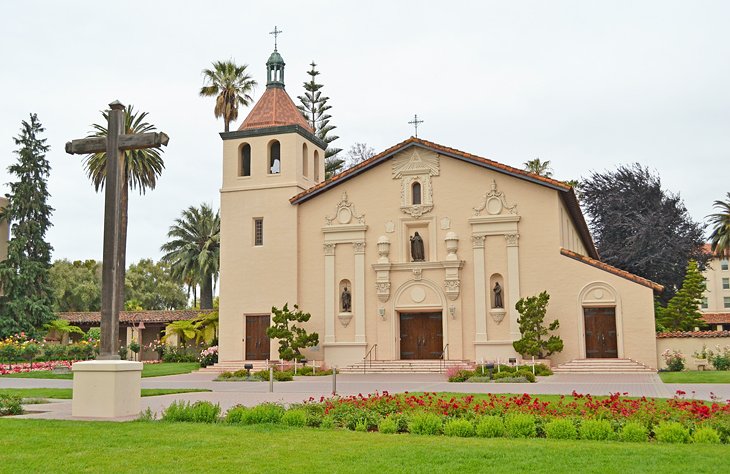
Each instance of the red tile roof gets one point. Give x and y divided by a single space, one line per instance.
275 108
716 318
611 269
665 335
134 316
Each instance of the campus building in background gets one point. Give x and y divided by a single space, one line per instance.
716 299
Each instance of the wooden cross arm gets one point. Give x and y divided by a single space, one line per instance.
135 141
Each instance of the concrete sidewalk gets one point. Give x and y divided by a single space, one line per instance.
228 394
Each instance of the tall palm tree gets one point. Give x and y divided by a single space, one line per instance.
539 167
720 237
194 249
231 85
141 167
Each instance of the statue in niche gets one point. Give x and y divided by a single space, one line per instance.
346 300
498 303
417 253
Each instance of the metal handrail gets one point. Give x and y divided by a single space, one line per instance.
444 357
369 357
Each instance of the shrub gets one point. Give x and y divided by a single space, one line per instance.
490 427
283 376
361 425
459 427
634 432
263 413
348 416
388 425
542 370
327 423
10 405
425 424
706 435
561 428
226 375
198 412
295 417
674 360
671 432
179 354
520 425
236 414
596 430
526 373
514 377
461 375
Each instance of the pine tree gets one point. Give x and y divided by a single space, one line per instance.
682 312
314 107
27 302
292 338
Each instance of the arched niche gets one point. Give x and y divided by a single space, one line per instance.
416 193
274 157
244 162
305 160
316 166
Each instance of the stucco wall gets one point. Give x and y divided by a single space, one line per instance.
688 346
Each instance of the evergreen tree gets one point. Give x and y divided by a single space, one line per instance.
535 340
27 301
682 312
292 338
314 107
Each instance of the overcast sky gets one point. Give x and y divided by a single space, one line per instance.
586 85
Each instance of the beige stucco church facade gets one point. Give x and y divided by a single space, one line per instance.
345 250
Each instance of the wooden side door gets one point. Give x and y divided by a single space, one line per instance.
600 333
409 336
258 343
421 336
432 336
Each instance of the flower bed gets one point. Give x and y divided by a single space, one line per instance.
578 417
499 374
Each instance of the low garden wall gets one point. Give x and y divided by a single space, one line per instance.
689 343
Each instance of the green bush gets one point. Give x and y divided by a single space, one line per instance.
671 432
706 435
425 424
721 424
514 377
561 428
283 376
520 425
235 414
295 417
634 432
328 422
225 375
542 370
721 361
526 373
198 412
504 368
462 375
388 425
10 405
596 430
459 427
348 416
180 354
241 373
490 427
263 413
361 426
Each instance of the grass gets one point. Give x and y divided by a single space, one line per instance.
66 393
68 446
149 370
696 376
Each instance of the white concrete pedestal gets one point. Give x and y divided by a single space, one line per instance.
106 388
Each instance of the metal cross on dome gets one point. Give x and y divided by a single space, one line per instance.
276 34
415 122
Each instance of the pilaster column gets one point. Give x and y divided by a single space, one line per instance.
359 290
480 297
513 279
329 292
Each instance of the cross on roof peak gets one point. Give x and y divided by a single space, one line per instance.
415 122
276 34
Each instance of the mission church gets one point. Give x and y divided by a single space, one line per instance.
420 252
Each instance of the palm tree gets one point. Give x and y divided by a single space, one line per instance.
720 237
232 87
194 249
539 167
141 167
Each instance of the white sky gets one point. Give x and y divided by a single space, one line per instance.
587 85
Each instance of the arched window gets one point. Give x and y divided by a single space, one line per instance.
244 168
316 165
305 160
416 193
274 157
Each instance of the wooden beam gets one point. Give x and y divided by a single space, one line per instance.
143 140
85 146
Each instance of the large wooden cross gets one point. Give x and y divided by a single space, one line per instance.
114 144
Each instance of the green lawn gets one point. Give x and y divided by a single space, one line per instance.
696 376
67 446
149 370
65 393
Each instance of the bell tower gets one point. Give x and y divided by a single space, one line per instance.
273 156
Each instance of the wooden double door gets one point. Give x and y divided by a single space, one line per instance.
421 336
600 329
258 343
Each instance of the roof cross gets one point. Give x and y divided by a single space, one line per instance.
276 33
415 122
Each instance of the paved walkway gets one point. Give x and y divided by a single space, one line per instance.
228 394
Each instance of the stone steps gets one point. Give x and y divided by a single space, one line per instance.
403 366
602 366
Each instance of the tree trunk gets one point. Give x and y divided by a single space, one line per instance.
206 292
227 124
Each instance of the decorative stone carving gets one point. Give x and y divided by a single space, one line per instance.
452 287
494 203
445 223
345 213
345 318
416 168
382 289
512 239
415 163
359 246
389 227
383 249
497 314
329 248
477 241
418 294
417 274
452 245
